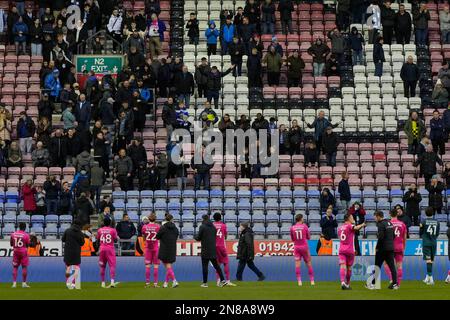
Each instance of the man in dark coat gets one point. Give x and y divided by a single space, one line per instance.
246 253
329 224
295 66
126 230
435 189
410 75
254 69
388 22
184 85
214 84
136 151
207 235
427 162
329 146
403 25
83 209
83 112
58 149
201 77
167 236
412 198
46 107
73 240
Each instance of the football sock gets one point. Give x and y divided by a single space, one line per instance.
24 274
112 271
348 276
226 269
449 272
342 273
429 269
297 274
311 273
102 274
399 275
15 270
147 274
388 271
155 274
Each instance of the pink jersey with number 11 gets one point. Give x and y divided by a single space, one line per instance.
300 235
221 233
346 234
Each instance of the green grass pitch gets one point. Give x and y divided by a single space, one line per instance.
409 290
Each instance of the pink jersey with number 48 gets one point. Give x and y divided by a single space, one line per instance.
346 234
399 235
149 232
107 236
19 241
300 234
221 233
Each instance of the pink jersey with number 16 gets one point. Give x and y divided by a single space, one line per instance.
300 234
19 241
106 236
221 233
346 234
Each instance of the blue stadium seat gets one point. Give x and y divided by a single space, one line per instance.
371 231
174 195
397 196
51 232
10 218
202 195
258 195
133 217
299 194
160 195
146 195
299 205
313 204
369 204
229 195
202 207
118 216
39 231
244 206
51 219
174 207
244 195
133 196
24 218
286 217
229 207
216 194
146 206
119 206
8 229
65 218
216 205
273 207
36 220
315 230
313 194
63 227
188 207
160 206
272 230
274 195
259 230
314 218
133 207
10 207
188 195
258 207
272 218
12 196
286 206
119 196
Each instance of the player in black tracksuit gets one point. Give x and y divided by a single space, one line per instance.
385 246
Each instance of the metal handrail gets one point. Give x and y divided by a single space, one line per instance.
102 34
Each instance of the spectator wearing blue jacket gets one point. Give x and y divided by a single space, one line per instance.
319 125
211 35
20 31
52 85
437 133
81 182
227 34
356 41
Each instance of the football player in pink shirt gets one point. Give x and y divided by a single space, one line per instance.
400 233
20 241
221 248
149 232
300 236
346 235
107 253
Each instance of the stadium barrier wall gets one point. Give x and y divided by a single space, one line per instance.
53 248
131 269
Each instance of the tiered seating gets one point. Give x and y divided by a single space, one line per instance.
271 211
